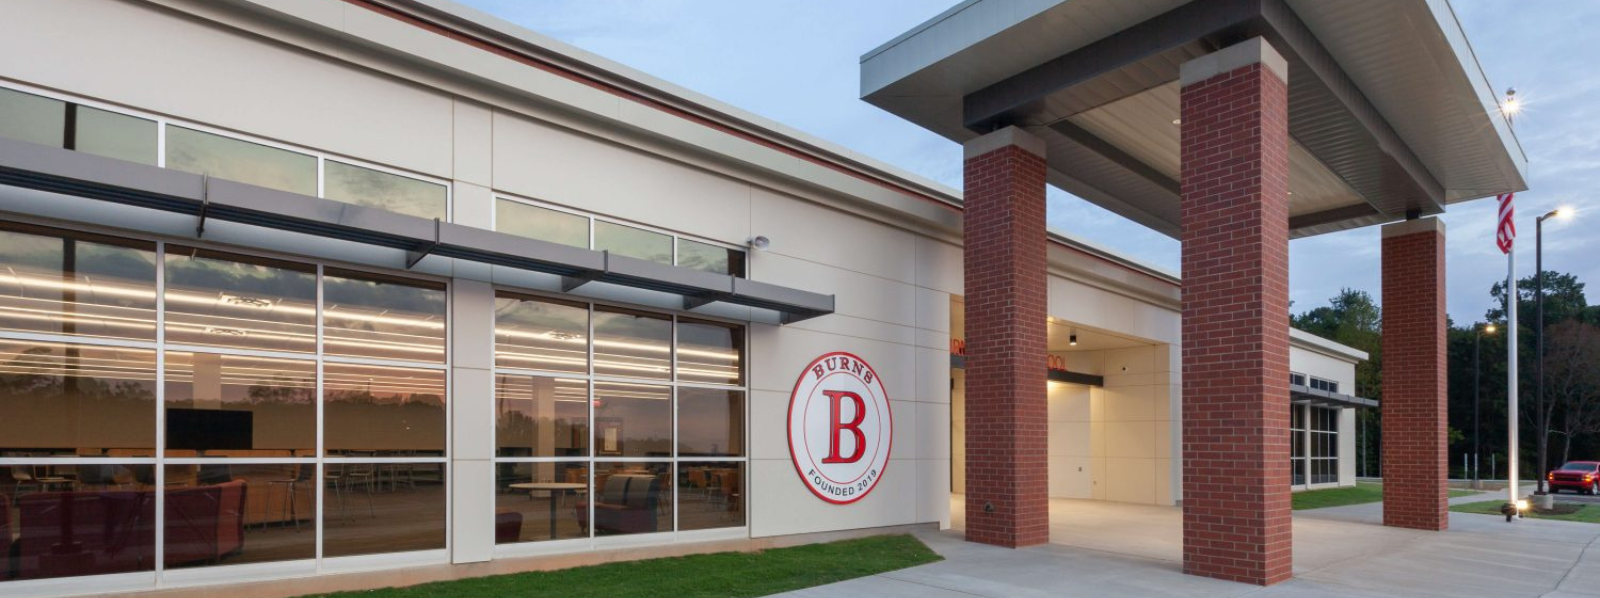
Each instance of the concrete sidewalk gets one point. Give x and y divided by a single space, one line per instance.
1108 549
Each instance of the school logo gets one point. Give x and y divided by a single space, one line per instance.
840 428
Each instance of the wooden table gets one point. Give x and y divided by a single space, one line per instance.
553 488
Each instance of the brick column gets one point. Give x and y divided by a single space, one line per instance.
1235 153
1414 389
1007 429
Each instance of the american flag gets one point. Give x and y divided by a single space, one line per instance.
1506 234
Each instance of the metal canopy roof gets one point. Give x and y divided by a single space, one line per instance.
1389 112
67 172
1302 394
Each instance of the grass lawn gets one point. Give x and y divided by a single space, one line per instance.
1565 511
718 574
1361 493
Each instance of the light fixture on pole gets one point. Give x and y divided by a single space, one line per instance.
1511 106
1538 336
1477 428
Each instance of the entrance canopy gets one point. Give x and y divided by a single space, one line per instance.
1389 112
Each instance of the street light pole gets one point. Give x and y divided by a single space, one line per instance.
1538 338
1477 387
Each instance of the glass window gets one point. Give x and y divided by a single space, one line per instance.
538 416
58 282
710 422
633 242
537 502
235 160
541 334
544 224
391 411
240 406
227 300
710 495
711 258
632 420
630 343
710 352
31 118
376 189
114 135
366 512
371 315
108 530
234 513
631 498
67 400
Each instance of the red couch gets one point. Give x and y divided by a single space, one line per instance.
66 534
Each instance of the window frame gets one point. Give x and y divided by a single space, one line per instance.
592 540
494 224
162 121
160 574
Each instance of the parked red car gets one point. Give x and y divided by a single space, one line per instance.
1580 476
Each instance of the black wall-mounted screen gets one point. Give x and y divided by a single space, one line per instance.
209 429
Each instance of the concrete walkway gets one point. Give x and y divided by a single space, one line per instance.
1109 549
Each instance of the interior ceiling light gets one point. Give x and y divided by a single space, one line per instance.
243 301
225 331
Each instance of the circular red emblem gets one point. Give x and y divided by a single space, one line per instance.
840 427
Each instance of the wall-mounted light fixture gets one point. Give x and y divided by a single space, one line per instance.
760 243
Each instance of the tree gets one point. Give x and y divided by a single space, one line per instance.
1572 380
1563 300
1353 319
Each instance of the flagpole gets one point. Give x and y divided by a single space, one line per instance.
1511 374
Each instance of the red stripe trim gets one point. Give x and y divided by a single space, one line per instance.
569 74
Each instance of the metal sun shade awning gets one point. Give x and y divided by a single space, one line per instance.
1302 394
959 362
68 172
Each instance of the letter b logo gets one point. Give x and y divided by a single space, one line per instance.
839 426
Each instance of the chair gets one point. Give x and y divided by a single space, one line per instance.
22 479
111 531
366 475
205 523
304 473
627 504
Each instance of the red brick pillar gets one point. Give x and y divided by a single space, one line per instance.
1235 137
1007 429
1414 404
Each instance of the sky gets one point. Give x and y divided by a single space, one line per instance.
798 63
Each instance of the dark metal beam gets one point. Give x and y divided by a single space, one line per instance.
1367 152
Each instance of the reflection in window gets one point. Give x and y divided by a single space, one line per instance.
544 224
710 495
630 498
710 422
370 315
632 420
633 242
711 258
536 502
539 416
228 300
541 334
59 282
376 508
630 343
31 118
65 533
709 352
376 189
239 406
198 152
383 410
63 400
231 514
114 135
